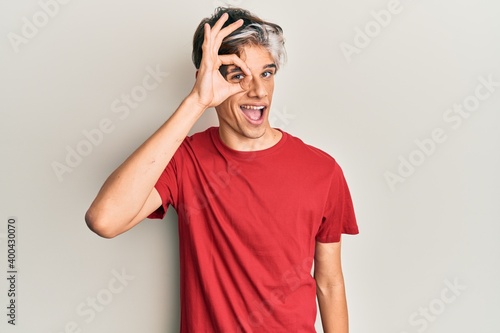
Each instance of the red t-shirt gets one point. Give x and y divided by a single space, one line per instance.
248 224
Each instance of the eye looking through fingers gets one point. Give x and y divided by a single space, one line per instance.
232 73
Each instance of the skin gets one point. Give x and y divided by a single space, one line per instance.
236 129
330 288
128 195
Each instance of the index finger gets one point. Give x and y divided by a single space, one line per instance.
222 20
218 33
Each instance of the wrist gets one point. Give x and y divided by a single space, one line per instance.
193 104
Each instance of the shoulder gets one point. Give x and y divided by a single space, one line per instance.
195 147
199 141
310 153
201 137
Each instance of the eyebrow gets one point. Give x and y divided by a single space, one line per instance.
236 69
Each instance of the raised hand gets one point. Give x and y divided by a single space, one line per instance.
211 88
128 196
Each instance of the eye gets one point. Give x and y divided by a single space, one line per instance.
267 74
237 77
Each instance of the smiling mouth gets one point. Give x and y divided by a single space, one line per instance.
253 112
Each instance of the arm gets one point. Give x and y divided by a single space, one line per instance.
128 195
330 288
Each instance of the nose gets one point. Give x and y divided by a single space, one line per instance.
257 88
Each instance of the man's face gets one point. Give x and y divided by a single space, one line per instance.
245 115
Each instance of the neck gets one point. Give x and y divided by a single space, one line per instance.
239 142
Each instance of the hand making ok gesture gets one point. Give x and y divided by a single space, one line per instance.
211 88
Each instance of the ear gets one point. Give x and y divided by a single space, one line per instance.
196 75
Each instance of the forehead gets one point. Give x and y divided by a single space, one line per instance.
256 56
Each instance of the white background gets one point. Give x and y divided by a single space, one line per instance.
439 227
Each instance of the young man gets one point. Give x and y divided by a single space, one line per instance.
256 206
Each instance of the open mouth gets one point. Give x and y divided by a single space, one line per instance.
253 113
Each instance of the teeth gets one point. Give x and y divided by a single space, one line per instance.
250 107
253 112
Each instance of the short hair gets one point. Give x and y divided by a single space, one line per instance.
253 32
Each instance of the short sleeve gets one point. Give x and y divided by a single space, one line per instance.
338 215
167 187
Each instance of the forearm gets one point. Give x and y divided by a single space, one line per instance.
125 191
333 308
127 195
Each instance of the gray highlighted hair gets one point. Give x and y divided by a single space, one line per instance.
254 32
